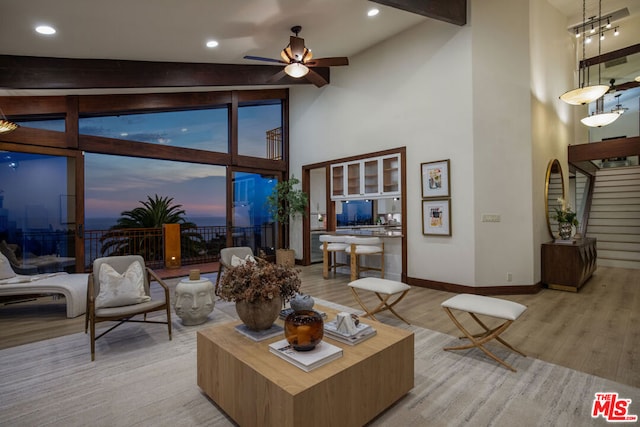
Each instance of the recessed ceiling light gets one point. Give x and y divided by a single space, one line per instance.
373 12
212 43
45 29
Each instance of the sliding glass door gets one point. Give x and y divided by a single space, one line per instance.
251 223
38 212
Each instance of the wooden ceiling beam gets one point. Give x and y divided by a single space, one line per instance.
620 147
30 72
451 11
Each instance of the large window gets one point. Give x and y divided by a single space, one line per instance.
260 131
201 129
142 146
47 124
354 212
200 189
37 212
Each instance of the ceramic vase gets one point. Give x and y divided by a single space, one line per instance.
564 230
259 315
302 302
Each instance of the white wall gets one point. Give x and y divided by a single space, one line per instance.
444 92
553 121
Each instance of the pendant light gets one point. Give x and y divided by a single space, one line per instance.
600 118
583 94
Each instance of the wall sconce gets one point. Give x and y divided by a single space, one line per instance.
172 256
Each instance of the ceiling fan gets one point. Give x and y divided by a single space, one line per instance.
299 61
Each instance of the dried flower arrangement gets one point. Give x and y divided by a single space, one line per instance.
259 281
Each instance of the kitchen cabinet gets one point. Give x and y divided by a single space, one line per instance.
370 178
337 181
354 180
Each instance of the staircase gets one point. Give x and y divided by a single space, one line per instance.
614 219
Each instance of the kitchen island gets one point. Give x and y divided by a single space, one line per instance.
391 237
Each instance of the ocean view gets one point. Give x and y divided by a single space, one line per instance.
99 223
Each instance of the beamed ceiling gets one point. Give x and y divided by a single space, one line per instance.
118 44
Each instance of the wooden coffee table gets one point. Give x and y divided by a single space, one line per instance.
255 387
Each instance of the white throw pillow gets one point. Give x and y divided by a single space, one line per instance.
117 290
6 272
236 260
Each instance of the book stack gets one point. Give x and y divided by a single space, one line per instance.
363 332
257 336
322 354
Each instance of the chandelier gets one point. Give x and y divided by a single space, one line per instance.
600 118
584 94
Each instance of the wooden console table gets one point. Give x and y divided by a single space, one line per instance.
567 266
255 387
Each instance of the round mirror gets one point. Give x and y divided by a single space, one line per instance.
554 190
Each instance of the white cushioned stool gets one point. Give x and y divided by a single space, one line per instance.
357 246
330 245
508 311
384 289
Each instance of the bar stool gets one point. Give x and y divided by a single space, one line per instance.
364 246
330 245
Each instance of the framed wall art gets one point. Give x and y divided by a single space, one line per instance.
436 217
435 179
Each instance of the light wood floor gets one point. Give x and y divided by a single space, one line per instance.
596 331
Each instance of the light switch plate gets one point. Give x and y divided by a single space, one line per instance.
490 218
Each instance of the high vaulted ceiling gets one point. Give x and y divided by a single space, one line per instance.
176 31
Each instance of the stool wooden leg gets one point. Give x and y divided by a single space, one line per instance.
478 343
384 305
362 304
354 264
325 261
382 263
491 331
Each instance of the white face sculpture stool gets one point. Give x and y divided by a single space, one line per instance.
194 301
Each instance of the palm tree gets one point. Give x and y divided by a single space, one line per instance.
153 214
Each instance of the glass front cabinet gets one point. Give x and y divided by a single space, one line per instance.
370 178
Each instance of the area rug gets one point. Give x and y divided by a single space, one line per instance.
140 378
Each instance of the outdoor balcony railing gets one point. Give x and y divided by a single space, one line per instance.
198 245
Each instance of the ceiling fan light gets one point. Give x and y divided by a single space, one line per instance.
601 119
584 95
296 70
286 55
7 126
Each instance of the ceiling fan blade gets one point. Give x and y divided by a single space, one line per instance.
297 47
327 62
316 78
260 58
279 75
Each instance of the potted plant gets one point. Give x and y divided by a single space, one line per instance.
285 203
259 290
